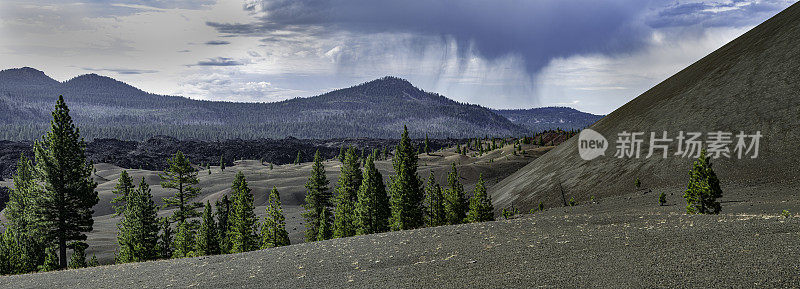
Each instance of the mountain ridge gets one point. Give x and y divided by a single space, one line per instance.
108 108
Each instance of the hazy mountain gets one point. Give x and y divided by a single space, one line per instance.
544 118
749 85
105 107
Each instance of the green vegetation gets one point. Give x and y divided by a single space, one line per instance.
406 188
137 234
662 199
703 189
346 196
318 201
480 205
436 215
207 239
372 209
456 204
273 230
181 176
242 228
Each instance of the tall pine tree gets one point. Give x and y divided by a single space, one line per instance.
181 176
206 241
346 196
223 215
456 204
325 231
242 227
273 231
23 246
406 188
137 234
317 201
123 188
372 209
184 241
480 205
64 206
164 245
434 203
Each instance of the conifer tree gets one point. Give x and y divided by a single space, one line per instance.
78 258
325 232
456 204
346 196
13 253
181 176
341 154
206 242
23 245
221 164
273 232
64 206
406 188
385 153
138 230
184 241
372 209
51 260
123 188
703 189
297 160
480 205
165 239
436 215
427 145
317 201
242 228
20 205
223 215
93 262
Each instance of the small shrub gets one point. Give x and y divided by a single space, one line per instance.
662 199
638 183
572 202
785 214
541 206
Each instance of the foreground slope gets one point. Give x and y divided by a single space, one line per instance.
626 241
751 84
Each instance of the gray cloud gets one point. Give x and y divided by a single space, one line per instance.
121 70
716 14
219 61
536 30
217 42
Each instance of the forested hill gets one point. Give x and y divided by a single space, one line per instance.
544 118
107 108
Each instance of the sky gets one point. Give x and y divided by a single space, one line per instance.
591 55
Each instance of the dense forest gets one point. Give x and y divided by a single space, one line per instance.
107 108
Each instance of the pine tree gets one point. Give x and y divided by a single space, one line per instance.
13 253
22 236
206 242
51 260
165 239
184 241
93 262
64 206
123 188
372 210
223 213
273 232
324 232
703 189
427 145
480 205
317 201
221 164
436 215
341 154
406 188
242 227
78 258
180 175
346 196
456 204
297 160
385 153
138 230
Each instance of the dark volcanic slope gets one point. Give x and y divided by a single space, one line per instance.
106 108
750 84
545 118
596 245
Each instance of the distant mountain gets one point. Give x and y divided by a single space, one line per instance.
106 108
544 118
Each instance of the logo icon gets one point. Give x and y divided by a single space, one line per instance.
591 144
